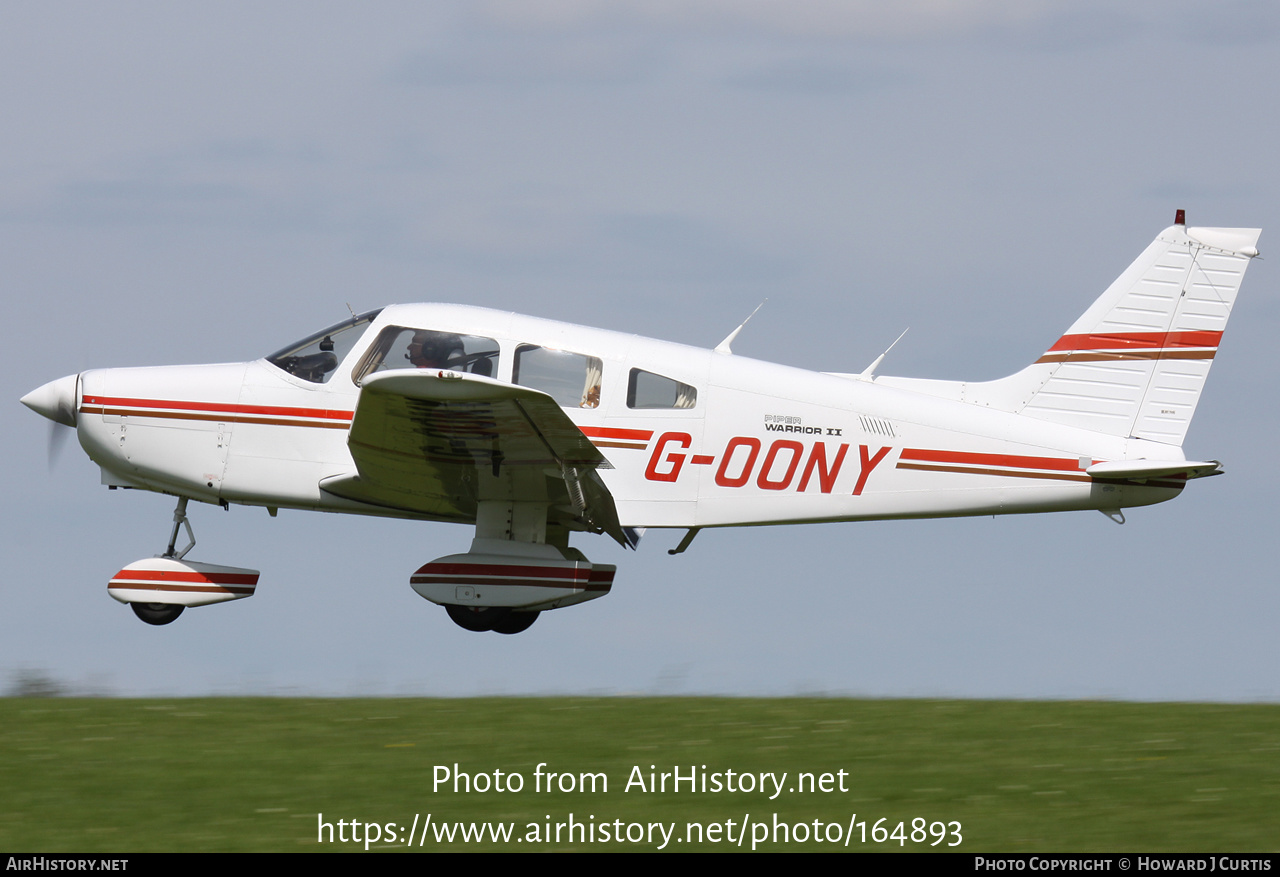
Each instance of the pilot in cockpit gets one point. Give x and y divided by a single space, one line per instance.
434 349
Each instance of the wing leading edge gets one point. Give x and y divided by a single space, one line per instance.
441 443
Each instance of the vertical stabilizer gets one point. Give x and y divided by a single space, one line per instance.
1135 363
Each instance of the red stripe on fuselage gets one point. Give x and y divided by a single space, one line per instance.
1009 473
1011 460
219 407
607 432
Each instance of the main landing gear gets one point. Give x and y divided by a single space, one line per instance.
499 619
159 588
503 585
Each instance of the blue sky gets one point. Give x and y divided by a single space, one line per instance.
201 185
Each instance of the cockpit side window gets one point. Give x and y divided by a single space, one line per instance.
572 379
316 358
647 390
399 347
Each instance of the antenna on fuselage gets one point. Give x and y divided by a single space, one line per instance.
869 372
723 346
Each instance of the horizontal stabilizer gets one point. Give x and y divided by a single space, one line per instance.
1141 470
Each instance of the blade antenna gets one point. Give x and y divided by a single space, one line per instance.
869 373
723 346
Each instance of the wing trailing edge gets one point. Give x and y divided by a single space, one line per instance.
441 443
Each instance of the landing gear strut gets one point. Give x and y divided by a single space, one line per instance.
180 520
158 588
164 613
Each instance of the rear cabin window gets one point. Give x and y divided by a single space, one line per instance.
572 379
647 390
399 347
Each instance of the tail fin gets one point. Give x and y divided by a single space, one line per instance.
1135 362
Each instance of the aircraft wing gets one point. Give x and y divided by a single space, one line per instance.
439 443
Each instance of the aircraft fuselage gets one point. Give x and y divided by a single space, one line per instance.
762 443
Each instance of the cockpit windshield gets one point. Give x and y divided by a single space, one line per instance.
316 358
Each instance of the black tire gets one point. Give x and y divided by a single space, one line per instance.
479 619
157 613
516 622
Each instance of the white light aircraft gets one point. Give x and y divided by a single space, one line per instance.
530 430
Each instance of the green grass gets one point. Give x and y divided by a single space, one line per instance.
251 774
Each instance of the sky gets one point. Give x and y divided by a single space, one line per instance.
208 183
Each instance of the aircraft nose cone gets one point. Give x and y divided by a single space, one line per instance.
56 400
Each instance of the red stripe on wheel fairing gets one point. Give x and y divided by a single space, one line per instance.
215 578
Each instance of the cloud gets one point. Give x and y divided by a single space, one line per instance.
905 20
816 76
836 18
816 17
502 57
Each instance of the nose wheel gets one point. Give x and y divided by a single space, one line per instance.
158 588
157 613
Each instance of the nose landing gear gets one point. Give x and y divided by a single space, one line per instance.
157 613
159 588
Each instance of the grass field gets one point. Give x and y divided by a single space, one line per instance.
252 774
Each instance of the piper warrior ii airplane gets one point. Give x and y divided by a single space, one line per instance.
530 430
